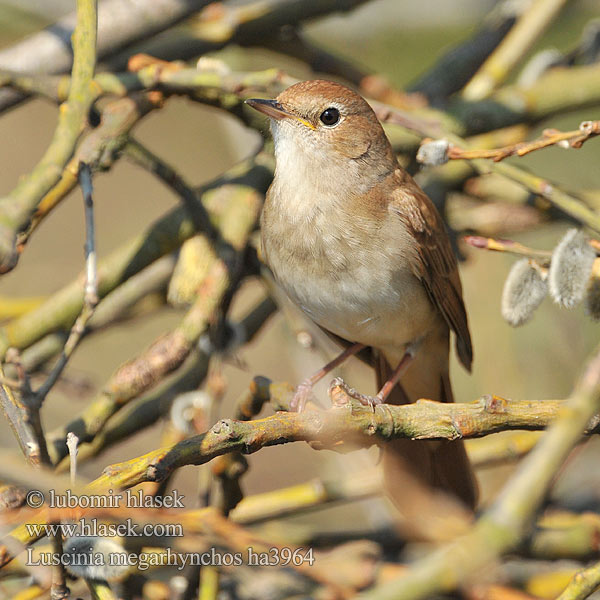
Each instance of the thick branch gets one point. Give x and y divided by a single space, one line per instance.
346 424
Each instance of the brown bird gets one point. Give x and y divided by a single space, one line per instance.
361 249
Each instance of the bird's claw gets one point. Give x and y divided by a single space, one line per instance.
364 399
301 396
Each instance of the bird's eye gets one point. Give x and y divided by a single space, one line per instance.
330 116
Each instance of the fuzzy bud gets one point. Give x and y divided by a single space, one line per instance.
570 269
433 153
95 558
523 292
592 298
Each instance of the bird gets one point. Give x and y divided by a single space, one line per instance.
358 246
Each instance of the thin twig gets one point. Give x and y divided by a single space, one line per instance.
508 246
141 156
72 441
167 234
90 296
59 589
550 137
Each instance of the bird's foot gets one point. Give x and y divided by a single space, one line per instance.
364 399
301 396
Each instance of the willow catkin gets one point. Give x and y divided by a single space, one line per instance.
96 558
524 290
592 297
570 269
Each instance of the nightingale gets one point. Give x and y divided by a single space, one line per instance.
362 250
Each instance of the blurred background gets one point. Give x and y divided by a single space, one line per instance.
398 38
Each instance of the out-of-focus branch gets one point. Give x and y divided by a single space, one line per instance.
119 24
291 42
559 534
17 208
169 351
306 496
141 156
144 412
435 153
454 69
247 24
99 149
347 423
500 449
557 90
503 526
583 584
167 234
507 246
530 25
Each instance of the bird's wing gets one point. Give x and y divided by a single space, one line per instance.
436 266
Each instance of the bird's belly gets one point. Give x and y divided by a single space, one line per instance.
375 307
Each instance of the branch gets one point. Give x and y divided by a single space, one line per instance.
550 137
583 584
17 208
512 49
137 416
119 25
435 153
504 524
99 150
25 422
457 65
169 351
61 309
90 289
345 424
507 246
493 450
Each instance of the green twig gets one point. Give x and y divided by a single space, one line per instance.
17 208
583 584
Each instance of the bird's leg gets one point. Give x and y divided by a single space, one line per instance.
304 390
388 386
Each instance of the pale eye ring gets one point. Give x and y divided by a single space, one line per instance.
330 116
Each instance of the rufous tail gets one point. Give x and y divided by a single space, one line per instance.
429 465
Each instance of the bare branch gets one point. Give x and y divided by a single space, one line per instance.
512 49
17 208
90 288
346 424
550 137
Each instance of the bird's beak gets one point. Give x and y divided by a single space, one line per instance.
274 110
271 108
